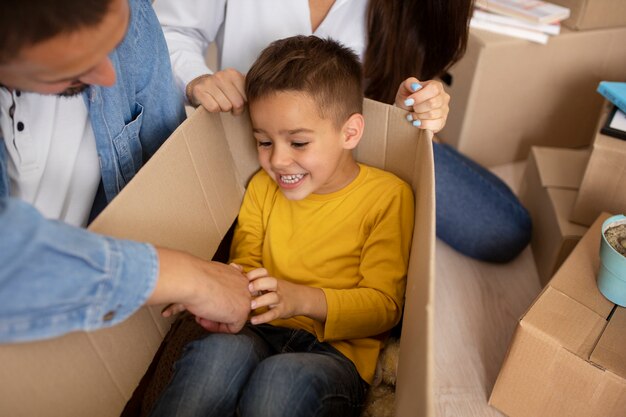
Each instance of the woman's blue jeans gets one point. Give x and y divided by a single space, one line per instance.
262 371
477 213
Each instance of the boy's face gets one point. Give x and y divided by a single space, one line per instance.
68 62
301 151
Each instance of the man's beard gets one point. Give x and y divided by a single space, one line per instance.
73 90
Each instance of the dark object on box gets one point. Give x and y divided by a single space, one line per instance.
609 128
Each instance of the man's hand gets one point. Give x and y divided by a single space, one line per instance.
217 294
427 103
222 91
284 299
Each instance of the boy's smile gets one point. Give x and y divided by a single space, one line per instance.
303 152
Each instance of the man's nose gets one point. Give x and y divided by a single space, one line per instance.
102 74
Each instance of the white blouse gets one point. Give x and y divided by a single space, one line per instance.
242 28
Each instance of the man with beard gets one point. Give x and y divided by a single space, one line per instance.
86 96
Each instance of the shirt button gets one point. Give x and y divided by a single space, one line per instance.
108 316
18 93
20 126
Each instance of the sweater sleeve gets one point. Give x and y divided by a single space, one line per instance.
189 27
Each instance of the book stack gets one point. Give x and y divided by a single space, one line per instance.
533 20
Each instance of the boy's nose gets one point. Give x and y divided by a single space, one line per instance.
280 158
102 74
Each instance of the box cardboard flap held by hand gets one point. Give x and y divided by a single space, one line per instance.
186 197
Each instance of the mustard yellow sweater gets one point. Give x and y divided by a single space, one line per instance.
353 244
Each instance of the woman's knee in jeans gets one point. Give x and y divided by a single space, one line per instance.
477 213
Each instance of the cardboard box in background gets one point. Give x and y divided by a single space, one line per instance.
186 197
603 187
548 190
567 356
508 94
594 14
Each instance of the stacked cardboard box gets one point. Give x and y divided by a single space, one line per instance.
509 94
594 14
187 197
568 354
603 186
548 191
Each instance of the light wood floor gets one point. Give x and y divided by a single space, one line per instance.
477 305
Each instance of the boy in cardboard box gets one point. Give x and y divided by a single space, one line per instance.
324 241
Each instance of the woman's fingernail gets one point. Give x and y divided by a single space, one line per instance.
409 102
417 123
409 117
253 304
250 287
415 86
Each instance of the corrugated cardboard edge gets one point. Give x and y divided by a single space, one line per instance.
415 384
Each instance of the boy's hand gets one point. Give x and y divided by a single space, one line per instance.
284 299
222 91
426 101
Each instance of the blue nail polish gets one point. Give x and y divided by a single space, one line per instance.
415 86
417 123
409 117
409 102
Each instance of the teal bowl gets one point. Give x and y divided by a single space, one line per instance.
612 275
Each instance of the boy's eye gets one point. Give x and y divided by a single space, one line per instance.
263 143
299 144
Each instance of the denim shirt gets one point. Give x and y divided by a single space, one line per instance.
55 278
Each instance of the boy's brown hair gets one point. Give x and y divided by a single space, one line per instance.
322 68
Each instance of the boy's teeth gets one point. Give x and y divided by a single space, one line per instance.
290 179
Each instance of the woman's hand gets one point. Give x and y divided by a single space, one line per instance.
427 103
222 91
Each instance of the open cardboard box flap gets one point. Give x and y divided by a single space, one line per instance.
561 168
186 197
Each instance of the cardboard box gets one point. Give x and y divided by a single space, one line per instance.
508 94
567 356
548 191
594 14
603 186
186 197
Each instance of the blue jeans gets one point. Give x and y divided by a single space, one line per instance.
477 214
262 371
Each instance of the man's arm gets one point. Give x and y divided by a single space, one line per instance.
56 278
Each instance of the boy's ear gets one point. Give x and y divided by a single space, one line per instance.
353 131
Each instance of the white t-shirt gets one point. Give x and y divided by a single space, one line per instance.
243 28
52 160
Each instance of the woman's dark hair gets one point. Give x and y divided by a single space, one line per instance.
27 22
412 38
